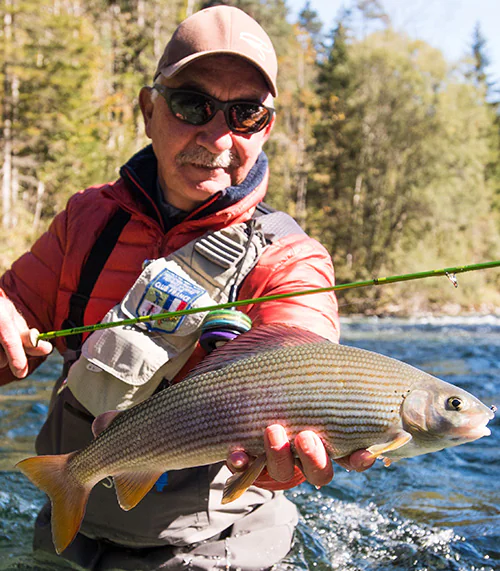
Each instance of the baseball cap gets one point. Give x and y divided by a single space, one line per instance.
223 30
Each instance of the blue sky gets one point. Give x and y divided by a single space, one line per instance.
445 24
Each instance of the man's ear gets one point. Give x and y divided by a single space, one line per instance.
147 107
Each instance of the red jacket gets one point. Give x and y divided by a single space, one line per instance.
41 282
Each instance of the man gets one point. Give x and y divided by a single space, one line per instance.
208 115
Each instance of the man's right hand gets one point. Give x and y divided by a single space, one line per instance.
17 340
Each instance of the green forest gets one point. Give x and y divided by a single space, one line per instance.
382 150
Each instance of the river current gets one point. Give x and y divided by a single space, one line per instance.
436 512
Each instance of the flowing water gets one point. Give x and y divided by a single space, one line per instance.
435 512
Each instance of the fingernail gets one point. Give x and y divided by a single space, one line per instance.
308 443
366 462
239 460
275 438
19 373
34 337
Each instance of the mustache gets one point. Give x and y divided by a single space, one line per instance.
201 157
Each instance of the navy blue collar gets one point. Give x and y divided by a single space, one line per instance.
142 170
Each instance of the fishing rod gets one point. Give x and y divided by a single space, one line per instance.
450 273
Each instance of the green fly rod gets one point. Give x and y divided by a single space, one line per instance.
449 272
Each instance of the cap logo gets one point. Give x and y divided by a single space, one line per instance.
257 43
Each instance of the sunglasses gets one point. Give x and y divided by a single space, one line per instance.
195 108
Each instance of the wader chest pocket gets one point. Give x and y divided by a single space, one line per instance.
123 365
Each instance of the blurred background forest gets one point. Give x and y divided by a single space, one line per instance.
384 151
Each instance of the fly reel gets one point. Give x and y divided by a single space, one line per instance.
221 326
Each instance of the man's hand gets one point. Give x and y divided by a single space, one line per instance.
282 473
17 340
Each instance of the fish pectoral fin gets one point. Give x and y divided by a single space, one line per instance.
239 483
131 487
400 439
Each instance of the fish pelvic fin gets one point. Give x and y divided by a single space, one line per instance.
400 439
239 483
131 487
68 496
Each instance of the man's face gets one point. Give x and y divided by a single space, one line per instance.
186 152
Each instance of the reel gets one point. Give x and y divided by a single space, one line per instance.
221 326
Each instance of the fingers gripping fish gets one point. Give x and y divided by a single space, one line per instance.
352 398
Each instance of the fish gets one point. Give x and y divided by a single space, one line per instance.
352 398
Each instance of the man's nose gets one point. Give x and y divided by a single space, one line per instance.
215 136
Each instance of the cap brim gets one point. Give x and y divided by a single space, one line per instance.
172 70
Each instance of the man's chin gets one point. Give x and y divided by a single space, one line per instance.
209 181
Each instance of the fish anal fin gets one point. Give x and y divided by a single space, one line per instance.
102 421
131 487
400 439
68 496
239 483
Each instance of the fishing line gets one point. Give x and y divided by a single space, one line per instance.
172 315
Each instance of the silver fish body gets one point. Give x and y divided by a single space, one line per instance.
352 398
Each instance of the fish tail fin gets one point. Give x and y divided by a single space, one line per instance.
68 496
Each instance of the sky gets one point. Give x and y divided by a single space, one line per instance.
445 24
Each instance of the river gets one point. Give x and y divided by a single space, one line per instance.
436 512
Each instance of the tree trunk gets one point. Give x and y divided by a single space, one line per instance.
301 174
189 8
7 120
38 207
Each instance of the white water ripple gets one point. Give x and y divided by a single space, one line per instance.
339 535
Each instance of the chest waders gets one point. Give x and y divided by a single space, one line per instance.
183 510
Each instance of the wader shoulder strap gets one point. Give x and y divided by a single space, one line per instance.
262 209
99 254
274 223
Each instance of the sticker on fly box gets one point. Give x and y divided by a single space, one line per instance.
166 292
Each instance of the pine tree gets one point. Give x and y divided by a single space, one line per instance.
334 141
480 58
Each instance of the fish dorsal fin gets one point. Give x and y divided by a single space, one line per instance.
102 421
239 483
258 340
131 487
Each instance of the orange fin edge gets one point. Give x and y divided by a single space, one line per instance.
131 487
239 483
68 496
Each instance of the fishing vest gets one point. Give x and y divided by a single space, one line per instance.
121 366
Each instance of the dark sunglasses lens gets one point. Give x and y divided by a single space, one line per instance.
193 108
248 117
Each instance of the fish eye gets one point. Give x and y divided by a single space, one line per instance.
455 403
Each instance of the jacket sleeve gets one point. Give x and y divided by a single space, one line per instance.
295 263
32 283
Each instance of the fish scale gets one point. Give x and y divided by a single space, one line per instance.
353 399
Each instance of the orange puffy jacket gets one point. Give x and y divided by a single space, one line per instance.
41 282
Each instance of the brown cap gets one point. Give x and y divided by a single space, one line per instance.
221 30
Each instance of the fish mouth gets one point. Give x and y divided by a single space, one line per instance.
479 432
468 434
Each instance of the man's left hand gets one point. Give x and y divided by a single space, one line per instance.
282 472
